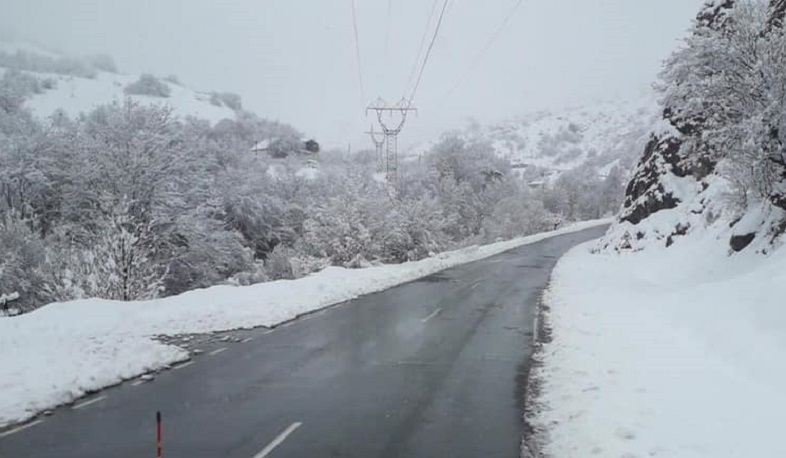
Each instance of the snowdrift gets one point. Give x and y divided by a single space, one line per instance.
666 351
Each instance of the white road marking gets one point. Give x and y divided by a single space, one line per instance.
475 285
217 351
278 440
21 428
247 340
87 403
186 364
433 314
138 382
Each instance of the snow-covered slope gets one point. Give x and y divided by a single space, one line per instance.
75 95
547 143
669 334
667 352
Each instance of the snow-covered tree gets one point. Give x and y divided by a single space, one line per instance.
726 91
21 257
148 84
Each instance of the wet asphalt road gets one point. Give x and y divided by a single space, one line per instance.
433 368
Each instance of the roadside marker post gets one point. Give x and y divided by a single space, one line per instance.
158 435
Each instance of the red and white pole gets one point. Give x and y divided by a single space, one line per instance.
158 435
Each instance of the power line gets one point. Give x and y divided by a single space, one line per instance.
413 72
428 51
357 52
387 31
479 56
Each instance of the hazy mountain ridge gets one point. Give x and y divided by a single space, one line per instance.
543 145
78 85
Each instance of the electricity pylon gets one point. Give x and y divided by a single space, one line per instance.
379 148
391 131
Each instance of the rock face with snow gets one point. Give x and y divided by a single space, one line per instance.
667 153
675 186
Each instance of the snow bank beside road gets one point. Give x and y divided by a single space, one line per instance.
668 352
59 352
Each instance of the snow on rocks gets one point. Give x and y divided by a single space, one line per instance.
62 351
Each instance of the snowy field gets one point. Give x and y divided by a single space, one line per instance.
59 352
666 353
76 95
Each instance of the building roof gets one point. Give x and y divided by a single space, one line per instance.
264 145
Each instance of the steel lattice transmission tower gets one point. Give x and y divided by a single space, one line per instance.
396 117
379 148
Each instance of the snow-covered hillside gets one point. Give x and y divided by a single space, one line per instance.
668 335
545 144
78 94
667 352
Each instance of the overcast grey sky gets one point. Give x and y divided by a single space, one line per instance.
294 60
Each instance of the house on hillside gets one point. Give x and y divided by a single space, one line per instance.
261 147
280 148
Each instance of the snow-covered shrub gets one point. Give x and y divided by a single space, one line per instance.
20 260
149 85
304 265
226 99
258 218
73 67
103 62
568 155
516 217
337 231
48 84
16 87
278 264
23 60
565 139
396 244
203 252
71 270
282 147
174 79
256 274
128 265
